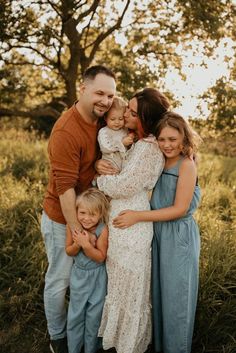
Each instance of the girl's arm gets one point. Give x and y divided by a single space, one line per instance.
72 247
184 193
98 253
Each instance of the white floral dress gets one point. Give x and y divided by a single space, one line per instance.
126 319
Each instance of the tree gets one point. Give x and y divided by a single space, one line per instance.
220 98
48 44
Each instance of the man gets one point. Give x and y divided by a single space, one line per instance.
72 152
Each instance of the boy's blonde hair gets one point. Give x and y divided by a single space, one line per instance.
95 201
191 139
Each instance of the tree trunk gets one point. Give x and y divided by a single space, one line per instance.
71 95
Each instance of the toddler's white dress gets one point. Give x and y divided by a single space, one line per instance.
111 146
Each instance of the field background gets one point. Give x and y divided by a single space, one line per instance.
23 170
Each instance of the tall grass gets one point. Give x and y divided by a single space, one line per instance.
23 171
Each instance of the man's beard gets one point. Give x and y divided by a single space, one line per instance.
99 114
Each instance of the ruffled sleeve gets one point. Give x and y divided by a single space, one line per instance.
141 171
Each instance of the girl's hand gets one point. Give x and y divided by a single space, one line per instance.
104 167
92 239
75 237
125 219
83 239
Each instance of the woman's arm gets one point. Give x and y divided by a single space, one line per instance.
72 247
98 253
145 165
184 193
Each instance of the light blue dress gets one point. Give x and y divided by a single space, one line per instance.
88 285
175 261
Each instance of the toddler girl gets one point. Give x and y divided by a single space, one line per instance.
88 281
114 139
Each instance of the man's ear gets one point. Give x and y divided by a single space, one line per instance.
81 88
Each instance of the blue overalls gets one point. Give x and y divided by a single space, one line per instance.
88 285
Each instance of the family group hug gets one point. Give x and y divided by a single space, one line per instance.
118 223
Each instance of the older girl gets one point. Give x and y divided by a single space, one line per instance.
176 242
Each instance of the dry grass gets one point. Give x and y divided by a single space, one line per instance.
23 170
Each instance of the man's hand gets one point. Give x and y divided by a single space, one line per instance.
104 167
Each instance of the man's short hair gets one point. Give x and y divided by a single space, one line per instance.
93 71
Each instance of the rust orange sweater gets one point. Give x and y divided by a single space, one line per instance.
72 151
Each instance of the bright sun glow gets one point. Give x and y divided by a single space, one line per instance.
198 77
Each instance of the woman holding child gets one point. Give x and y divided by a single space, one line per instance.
126 320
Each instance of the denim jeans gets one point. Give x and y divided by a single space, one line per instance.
57 276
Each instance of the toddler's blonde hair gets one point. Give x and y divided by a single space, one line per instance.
95 201
118 104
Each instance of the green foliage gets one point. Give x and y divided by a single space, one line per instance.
23 171
216 313
47 45
204 16
220 127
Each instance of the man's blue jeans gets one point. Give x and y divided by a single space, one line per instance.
57 276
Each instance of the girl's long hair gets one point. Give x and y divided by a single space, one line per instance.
191 139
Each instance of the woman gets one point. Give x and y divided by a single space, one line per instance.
126 320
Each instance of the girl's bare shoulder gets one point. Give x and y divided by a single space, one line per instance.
188 165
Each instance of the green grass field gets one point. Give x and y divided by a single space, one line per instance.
23 170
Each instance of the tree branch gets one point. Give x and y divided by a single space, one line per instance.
55 8
92 8
78 5
104 35
88 28
51 62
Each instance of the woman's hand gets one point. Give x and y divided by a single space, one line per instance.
126 219
104 167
